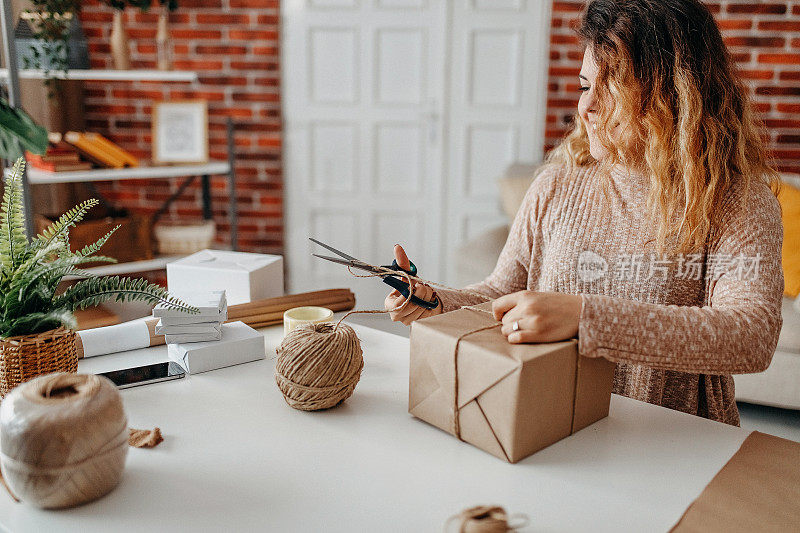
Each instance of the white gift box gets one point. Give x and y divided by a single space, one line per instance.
169 321
182 338
203 327
239 344
244 276
212 304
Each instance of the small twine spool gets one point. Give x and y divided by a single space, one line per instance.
486 519
63 439
318 365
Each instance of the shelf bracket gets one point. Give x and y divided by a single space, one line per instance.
10 53
163 209
233 208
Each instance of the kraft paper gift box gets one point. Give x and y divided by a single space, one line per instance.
512 399
239 344
243 276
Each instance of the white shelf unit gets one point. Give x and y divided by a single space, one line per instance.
119 269
38 176
205 170
190 172
11 76
106 75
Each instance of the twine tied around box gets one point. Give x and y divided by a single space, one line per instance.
383 271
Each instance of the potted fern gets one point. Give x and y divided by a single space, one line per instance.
36 319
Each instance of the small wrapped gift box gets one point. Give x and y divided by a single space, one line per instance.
510 400
243 276
239 344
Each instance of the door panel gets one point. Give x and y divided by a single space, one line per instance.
363 86
496 102
400 115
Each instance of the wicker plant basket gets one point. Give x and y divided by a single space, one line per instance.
25 357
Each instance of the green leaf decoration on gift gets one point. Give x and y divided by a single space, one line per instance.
32 270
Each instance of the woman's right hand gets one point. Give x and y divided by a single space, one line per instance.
395 300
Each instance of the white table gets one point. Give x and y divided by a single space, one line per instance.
237 458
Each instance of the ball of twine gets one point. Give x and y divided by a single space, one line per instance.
63 439
318 365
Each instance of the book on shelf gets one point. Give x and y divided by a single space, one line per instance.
92 151
52 158
62 167
57 158
127 157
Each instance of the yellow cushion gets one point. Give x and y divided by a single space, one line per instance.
789 198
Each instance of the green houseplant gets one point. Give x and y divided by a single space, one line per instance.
19 132
35 316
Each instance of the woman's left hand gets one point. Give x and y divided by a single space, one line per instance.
539 316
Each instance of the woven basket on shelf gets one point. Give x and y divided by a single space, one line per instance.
25 357
184 238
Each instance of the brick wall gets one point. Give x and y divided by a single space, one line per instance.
764 37
233 45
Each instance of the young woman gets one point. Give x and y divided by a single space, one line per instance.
654 234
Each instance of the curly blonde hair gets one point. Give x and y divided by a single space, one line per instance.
682 115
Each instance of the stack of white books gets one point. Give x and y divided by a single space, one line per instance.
179 326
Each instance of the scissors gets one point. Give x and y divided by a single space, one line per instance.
395 281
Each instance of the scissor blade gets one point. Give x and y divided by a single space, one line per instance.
334 250
354 263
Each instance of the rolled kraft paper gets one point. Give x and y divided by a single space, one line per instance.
282 303
63 439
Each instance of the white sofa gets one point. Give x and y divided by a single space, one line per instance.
778 386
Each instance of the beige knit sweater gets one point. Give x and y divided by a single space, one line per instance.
676 326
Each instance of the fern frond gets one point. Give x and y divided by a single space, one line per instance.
94 291
34 290
35 260
60 228
38 322
50 274
12 225
90 249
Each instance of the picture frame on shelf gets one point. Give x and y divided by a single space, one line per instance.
180 131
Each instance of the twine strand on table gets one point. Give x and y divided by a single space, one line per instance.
486 519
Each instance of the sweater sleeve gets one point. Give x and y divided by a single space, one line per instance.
511 272
736 333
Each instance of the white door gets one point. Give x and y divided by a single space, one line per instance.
399 115
497 97
362 92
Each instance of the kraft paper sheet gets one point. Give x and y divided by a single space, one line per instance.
757 490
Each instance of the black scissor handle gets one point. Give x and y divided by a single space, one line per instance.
395 266
401 286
